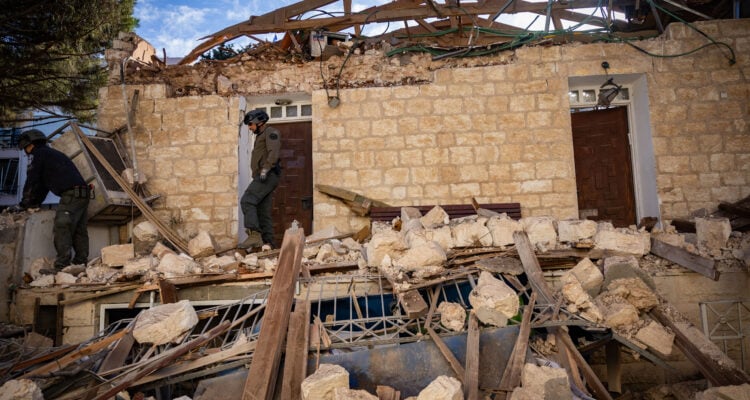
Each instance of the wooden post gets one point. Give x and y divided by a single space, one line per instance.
261 378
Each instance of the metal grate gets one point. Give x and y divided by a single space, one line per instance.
723 324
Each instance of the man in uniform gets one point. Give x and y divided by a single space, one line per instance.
257 200
50 170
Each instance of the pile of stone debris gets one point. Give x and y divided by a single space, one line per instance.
608 290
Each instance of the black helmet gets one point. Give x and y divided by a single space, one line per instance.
29 137
257 117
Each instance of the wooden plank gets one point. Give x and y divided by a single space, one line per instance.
213 358
717 374
261 378
103 293
512 374
89 349
42 358
471 377
295 359
458 369
59 327
167 292
614 367
539 286
162 360
413 303
117 356
678 255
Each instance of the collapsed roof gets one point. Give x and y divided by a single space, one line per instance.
456 28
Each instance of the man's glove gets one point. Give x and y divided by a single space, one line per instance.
263 175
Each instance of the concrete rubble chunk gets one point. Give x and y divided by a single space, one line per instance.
619 314
579 301
452 316
322 384
735 392
442 388
713 233
117 255
574 231
411 225
625 267
389 243
172 265
326 233
351 244
43 281
416 237
441 235
471 233
165 323
39 264
493 301
705 345
20 389
656 337
202 245
501 229
635 291
675 239
545 382
160 250
341 393
63 278
325 253
428 254
138 266
589 275
435 218
409 213
145 237
635 243
541 230
100 273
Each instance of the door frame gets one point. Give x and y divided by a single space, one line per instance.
275 106
643 162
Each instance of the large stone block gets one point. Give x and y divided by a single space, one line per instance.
165 323
117 255
442 388
493 301
322 384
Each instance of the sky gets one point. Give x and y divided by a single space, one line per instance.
178 25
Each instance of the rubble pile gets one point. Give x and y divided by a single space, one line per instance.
498 260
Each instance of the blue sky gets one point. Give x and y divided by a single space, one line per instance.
177 25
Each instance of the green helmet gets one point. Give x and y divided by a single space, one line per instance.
31 136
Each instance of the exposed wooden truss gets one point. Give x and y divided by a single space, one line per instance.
456 24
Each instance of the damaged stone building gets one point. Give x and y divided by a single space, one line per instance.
625 163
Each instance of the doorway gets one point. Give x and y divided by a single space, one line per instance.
604 173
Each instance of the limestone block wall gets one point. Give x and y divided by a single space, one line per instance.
187 149
414 131
502 133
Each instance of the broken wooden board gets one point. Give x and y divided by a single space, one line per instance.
413 303
361 205
512 373
295 358
261 380
471 366
103 293
680 256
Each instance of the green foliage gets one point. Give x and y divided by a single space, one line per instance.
52 54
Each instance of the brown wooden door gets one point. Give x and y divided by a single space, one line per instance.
604 171
292 199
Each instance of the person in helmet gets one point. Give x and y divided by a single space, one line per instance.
50 170
257 200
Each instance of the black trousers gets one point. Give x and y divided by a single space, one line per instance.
256 204
71 230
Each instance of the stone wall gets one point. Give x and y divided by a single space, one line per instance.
496 128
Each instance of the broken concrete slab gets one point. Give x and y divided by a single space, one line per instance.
387 243
145 237
618 314
435 217
540 230
323 382
202 245
452 316
442 235
635 292
545 382
471 234
410 213
165 323
493 301
573 231
625 267
172 265
117 255
20 389
501 228
579 301
341 393
588 274
713 234
442 388
657 338
624 241
429 254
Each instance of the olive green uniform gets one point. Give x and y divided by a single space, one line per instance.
257 201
